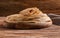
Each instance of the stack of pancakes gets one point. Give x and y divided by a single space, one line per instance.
28 18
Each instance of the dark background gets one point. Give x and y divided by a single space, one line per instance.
8 7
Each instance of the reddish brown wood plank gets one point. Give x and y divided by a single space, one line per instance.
51 32
14 6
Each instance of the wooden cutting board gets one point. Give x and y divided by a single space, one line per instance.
51 32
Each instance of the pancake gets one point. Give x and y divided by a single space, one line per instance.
29 18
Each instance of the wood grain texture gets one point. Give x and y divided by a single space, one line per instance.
50 32
14 6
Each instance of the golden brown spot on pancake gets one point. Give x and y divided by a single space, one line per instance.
48 21
31 22
30 10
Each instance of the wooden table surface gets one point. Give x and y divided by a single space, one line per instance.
51 32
